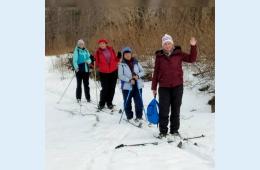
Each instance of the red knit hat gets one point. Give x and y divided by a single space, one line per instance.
102 40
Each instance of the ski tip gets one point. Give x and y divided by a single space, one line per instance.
155 143
119 146
179 145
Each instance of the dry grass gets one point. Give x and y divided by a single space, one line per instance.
140 27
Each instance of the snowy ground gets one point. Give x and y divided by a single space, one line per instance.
76 142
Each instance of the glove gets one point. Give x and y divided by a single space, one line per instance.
91 66
119 54
135 77
92 58
132 82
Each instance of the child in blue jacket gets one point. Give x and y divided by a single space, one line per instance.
130 73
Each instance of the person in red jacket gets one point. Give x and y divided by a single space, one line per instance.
107 63
168 74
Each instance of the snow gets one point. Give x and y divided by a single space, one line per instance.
76 142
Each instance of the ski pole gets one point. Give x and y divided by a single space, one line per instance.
142 103
187 140
125 104
195 137
66 89
95 78
139 144
139 91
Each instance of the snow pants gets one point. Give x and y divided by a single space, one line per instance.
82 76
108 84
137 96
170 98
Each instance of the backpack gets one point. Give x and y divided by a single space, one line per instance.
152 112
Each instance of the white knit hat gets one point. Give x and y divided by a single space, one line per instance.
80 41
166 38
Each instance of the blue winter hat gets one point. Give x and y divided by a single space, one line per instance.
126 50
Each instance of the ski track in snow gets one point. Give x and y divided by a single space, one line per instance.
76 142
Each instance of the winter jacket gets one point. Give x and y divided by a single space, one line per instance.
125 74
101 61
168 69
81 59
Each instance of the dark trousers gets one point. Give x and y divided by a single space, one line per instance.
137 96
82 76
170 97
108 84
